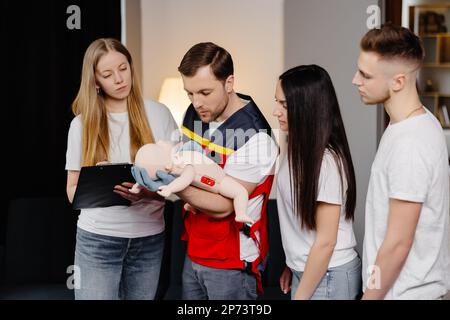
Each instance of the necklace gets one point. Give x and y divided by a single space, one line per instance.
413 112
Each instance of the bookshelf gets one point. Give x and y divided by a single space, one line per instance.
431 22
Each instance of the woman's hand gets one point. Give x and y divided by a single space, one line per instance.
285 280
124 191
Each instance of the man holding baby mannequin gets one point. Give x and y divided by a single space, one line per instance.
224 257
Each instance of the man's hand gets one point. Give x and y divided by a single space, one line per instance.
394 250
142 178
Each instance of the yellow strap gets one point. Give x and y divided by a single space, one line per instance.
206 143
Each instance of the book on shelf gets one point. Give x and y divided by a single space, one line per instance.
446 115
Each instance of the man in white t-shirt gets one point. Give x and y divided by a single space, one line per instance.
406 245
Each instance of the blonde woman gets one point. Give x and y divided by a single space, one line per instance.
118 249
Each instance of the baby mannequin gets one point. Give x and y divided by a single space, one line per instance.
193 168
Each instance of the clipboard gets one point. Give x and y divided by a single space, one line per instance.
96 184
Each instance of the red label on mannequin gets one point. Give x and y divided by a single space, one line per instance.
208 181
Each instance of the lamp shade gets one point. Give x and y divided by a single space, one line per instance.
172 94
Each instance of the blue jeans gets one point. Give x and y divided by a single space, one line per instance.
339 283
112 268
204 283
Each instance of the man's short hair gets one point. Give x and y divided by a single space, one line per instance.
204 54
394 42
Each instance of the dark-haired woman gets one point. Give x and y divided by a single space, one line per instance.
316 190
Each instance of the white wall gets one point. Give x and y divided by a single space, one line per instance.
265 37
131 31
251 30
327 33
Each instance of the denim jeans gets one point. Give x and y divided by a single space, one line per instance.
204 283
339 283
112 268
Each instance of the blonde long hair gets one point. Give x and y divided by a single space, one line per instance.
91 106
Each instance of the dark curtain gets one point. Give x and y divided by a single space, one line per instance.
42 59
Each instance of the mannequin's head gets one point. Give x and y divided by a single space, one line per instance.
155 156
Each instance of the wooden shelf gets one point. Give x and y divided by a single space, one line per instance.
436 65
434 35
435 94
432 5
437 49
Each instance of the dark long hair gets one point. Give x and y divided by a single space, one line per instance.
315 124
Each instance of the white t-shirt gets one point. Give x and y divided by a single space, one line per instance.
297 241
411 164
252 162
143 218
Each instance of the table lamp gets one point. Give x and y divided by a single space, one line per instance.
175 98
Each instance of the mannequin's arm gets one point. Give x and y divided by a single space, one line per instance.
185 179
212 204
